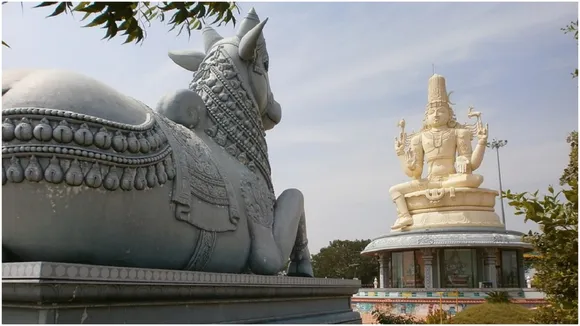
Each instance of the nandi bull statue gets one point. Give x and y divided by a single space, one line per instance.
92 176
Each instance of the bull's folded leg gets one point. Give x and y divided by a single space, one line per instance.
300 263
8 256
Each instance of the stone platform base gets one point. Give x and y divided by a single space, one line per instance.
448 238
452 208
55 293
451 219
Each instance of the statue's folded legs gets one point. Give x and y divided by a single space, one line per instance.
398 193
462 181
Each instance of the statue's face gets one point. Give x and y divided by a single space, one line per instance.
270 110
438 116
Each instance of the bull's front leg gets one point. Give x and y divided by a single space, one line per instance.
290 207
277 228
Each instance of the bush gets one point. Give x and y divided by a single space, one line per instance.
497 297
389 318
493 313
438 316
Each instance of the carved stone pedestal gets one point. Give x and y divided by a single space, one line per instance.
452 207
55 293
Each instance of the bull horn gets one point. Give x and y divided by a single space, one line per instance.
188 60
249 22
210 37
249 42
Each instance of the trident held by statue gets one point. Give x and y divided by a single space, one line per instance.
401 125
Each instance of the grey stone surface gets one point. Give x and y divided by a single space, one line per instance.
44 292
447 238
90 175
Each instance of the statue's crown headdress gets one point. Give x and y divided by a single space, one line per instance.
437 95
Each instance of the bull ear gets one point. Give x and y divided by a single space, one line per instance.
250 40
189 60
210 37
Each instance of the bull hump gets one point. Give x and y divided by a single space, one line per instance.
70 91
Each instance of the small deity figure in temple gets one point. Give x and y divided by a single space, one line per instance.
446 147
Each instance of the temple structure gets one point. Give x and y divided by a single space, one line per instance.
447 237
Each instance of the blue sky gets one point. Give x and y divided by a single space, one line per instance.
345 73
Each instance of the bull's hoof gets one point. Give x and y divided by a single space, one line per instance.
299 275
300 263
300 268
8 256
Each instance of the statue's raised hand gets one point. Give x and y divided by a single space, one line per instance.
482 132
399 147
411 160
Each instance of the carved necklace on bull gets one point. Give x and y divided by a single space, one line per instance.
236 124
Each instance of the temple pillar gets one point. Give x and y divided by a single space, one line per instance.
428 267
521 270
489 266
384 271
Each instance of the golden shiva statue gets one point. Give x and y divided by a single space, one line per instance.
445 145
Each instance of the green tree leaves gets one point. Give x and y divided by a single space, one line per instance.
571 172
572 28
342 259
130 19
557 242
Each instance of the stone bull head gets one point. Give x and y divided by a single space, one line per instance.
248 50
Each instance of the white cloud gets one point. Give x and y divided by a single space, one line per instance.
374 56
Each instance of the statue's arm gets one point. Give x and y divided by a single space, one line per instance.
478 152
464 149
413 165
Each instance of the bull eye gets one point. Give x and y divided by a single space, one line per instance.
266 65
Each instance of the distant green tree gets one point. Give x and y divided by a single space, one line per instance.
572 28
342 259
556 244
571 172
132 18
530 260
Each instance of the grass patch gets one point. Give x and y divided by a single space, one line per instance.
493 313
